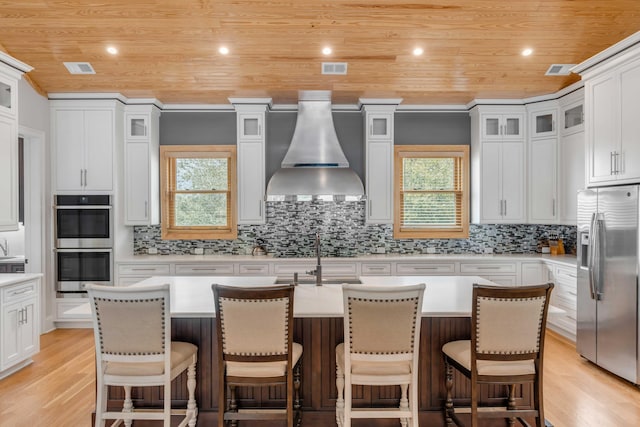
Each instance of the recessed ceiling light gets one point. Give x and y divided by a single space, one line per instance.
527 52
418 51
112 50
223 50
326 50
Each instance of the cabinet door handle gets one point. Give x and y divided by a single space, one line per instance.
553 208
260 208
146 209
85 177
370 209
505 207
612 167
81 183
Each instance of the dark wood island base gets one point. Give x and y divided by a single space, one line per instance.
319 337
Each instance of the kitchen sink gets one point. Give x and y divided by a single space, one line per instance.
326 281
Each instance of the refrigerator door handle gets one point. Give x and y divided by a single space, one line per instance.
590 256
597 258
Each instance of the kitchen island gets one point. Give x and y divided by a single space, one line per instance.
319 328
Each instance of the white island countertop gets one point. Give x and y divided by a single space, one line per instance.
7 279
445 296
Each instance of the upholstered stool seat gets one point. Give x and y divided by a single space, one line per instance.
263 369
182 354
460 351
373 368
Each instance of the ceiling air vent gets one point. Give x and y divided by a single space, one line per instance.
79 68
336 68
559 70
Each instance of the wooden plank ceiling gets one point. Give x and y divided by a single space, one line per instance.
168 49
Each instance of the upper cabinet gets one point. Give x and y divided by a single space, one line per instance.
507 126
572 117
612 90
84 142
498 165
543 121
141 165
11 71
378 146
251 117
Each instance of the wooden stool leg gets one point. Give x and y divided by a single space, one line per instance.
448 406
128 404
340 398
511 403
297 403
233 404
192 407
404 402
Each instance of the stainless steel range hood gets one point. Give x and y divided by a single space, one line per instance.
315 166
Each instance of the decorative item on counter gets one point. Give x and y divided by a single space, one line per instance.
259 248
560 247
543 246
553 244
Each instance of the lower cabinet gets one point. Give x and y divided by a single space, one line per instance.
20 332
563 297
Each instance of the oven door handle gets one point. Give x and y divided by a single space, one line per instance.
84 207
84 250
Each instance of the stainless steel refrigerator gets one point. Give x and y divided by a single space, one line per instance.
608 279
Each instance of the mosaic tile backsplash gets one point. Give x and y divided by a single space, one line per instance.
291 227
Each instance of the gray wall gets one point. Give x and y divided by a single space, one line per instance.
219 128
198 128
432 128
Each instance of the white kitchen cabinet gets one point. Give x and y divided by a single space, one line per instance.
572 116
532 273
424 268
20 331
502 190
612 130
379 124
8 173
543 121
84 140
250 124
542 191
379 182
130 273
571 176
205 269
142 165
502 126
11 71
564 297
375 269
379 138
251 179
498 165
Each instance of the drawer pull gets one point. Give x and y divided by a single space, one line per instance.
204 269
425 268
572 318
481 267
376 268
24 291
573 293
253 268
143 269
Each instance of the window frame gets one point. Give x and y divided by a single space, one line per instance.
168 154
422 151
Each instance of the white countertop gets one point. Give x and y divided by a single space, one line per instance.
445 296
563 259
7 279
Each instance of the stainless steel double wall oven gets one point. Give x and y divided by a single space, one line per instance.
84 242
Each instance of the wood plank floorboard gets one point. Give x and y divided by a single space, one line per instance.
58 389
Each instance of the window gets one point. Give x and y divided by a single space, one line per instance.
431 191
198 184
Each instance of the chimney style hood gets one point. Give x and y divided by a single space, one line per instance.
315 166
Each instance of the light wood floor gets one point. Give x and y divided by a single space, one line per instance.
58 389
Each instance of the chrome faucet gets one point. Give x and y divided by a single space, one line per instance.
5 248
318 271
